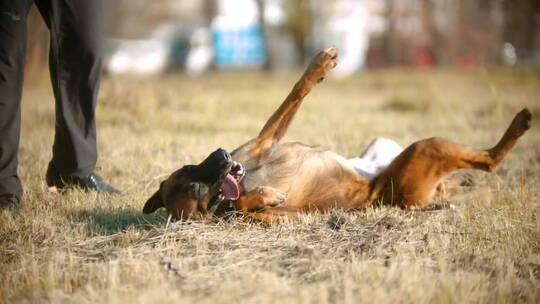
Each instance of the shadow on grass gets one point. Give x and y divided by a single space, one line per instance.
107 222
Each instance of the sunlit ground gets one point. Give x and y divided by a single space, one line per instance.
81 247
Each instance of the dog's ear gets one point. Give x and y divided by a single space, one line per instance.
154 202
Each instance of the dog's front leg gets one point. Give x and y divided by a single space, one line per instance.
274 215
277 125
259 199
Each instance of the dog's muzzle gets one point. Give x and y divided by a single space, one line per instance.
229 191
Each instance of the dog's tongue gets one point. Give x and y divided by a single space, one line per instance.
230 188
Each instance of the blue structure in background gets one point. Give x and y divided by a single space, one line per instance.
240 47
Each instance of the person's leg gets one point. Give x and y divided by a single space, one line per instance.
75 66
75 59
12 57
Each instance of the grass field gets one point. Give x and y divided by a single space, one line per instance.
88 248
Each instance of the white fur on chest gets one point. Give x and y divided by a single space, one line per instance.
376 158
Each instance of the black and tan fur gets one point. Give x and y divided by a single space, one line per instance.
284 179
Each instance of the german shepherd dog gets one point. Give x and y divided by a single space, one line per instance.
267 180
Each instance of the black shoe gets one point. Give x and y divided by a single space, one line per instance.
10 202
89 182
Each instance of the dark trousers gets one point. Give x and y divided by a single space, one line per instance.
76 33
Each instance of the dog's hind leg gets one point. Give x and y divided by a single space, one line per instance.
451 184
277 125
412 178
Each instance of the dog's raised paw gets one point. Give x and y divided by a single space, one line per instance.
331 51
527 118
329 58
522 122
322 63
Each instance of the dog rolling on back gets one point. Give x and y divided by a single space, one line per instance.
267 180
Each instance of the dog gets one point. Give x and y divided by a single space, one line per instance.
269 181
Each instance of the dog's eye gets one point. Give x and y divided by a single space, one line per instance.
194 187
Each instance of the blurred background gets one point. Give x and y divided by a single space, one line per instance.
147 38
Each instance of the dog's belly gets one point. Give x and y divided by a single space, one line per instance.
284 167
378 155
320 179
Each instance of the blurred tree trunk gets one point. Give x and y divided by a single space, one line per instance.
38 45
434 43
114 18
520 25
299 21
391 42
209 11
264 32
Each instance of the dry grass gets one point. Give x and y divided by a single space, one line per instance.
86 248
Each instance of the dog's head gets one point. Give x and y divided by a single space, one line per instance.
194 188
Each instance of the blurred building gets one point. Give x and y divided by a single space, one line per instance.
280 34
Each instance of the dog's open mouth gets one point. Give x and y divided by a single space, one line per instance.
230 188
